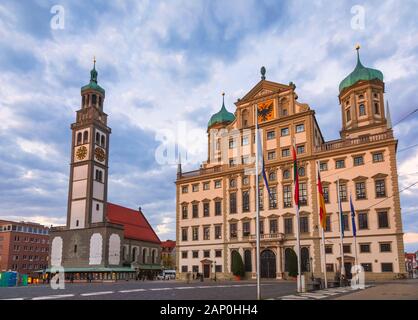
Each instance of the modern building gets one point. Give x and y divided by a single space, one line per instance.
24 247
216 203
168 254
101 240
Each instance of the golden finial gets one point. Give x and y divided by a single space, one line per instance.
94 61
223 94
358 46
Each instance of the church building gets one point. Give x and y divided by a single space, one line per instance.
215 207
101 240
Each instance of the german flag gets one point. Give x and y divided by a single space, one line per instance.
322 209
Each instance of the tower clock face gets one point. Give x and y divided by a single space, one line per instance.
265 111
81 153
100 154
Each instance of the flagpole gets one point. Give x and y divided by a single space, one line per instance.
299 278
341 232
257 227
323 253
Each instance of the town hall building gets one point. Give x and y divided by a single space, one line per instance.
215 207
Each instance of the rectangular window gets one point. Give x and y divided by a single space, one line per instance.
385 247
195 269
348 115
325 191
206 233
343 192
387 267
300 128
346 222
363 222
300 149
287 196
271 135
285 153
284 132
245 160
358 161
195 232
339 164
361 190
304 224
218 208
245 141
218 184
380 187
233 230
184 212
218 268
232 144
206 185
245 201
273 226
288 225
184 254
206 209
218 232
330 267
271 155
195 254
184 234
246 229
367 267
195 187
218 253
233 202
378 157
261 226
328 224
323 166
184 189
232 163
364 248
260 198
184 269
347 248
273 198
303 194
195 210
383 220
328 249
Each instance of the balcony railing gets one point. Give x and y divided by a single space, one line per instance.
268 237
338 144
202 171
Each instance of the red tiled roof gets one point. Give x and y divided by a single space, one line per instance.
168 244
135 224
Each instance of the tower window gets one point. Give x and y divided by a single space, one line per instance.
97 137
77 223
86 137
99 175
103 141
93 99
79 138
83 103
348 115
100 102
362 109
376 108
97 207
75 248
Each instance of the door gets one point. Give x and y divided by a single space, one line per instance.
206 270
347 267
268 264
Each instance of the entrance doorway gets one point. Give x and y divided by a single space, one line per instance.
206 270
268 264
347 267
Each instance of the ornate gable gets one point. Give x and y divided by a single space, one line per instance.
263 89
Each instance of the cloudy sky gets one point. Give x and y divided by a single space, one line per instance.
164 65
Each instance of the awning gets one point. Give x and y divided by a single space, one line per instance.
148 267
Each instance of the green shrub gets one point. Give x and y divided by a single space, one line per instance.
293 264
237 264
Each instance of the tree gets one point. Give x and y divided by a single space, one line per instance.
292 263
237 264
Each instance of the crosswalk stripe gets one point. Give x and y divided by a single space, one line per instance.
313 295
96 293
54 297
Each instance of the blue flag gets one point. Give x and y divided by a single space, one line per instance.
261 161
342 226
353 217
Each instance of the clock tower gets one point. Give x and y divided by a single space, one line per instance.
87 195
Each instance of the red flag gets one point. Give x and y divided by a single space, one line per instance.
322 209
296 176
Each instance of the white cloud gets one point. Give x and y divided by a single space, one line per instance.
410 237
39 149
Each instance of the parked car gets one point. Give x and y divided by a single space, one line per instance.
167 275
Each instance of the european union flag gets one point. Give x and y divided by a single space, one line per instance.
353 217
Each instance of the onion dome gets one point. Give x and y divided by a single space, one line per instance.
360 73
93 81
222 117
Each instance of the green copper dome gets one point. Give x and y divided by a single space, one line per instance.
223 116
360 73
93 81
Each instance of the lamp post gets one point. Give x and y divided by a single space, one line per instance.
215 269
311 267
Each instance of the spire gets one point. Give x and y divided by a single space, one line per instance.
179 171
93 72
358 54
388 117
263 73
223 100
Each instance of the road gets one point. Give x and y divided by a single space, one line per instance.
152 290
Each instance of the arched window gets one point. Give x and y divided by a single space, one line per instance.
144 256
286 174
85 137
247 261
97 137
102 142
348 115
134 254
362 110
153 256
79 138
301 172
288 256
376 108
304 254
272 176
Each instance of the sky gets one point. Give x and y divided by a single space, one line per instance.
164 65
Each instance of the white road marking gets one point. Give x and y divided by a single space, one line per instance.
161 289
292 297
59 296
14 299
132 290
96 293
183 288
313 295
